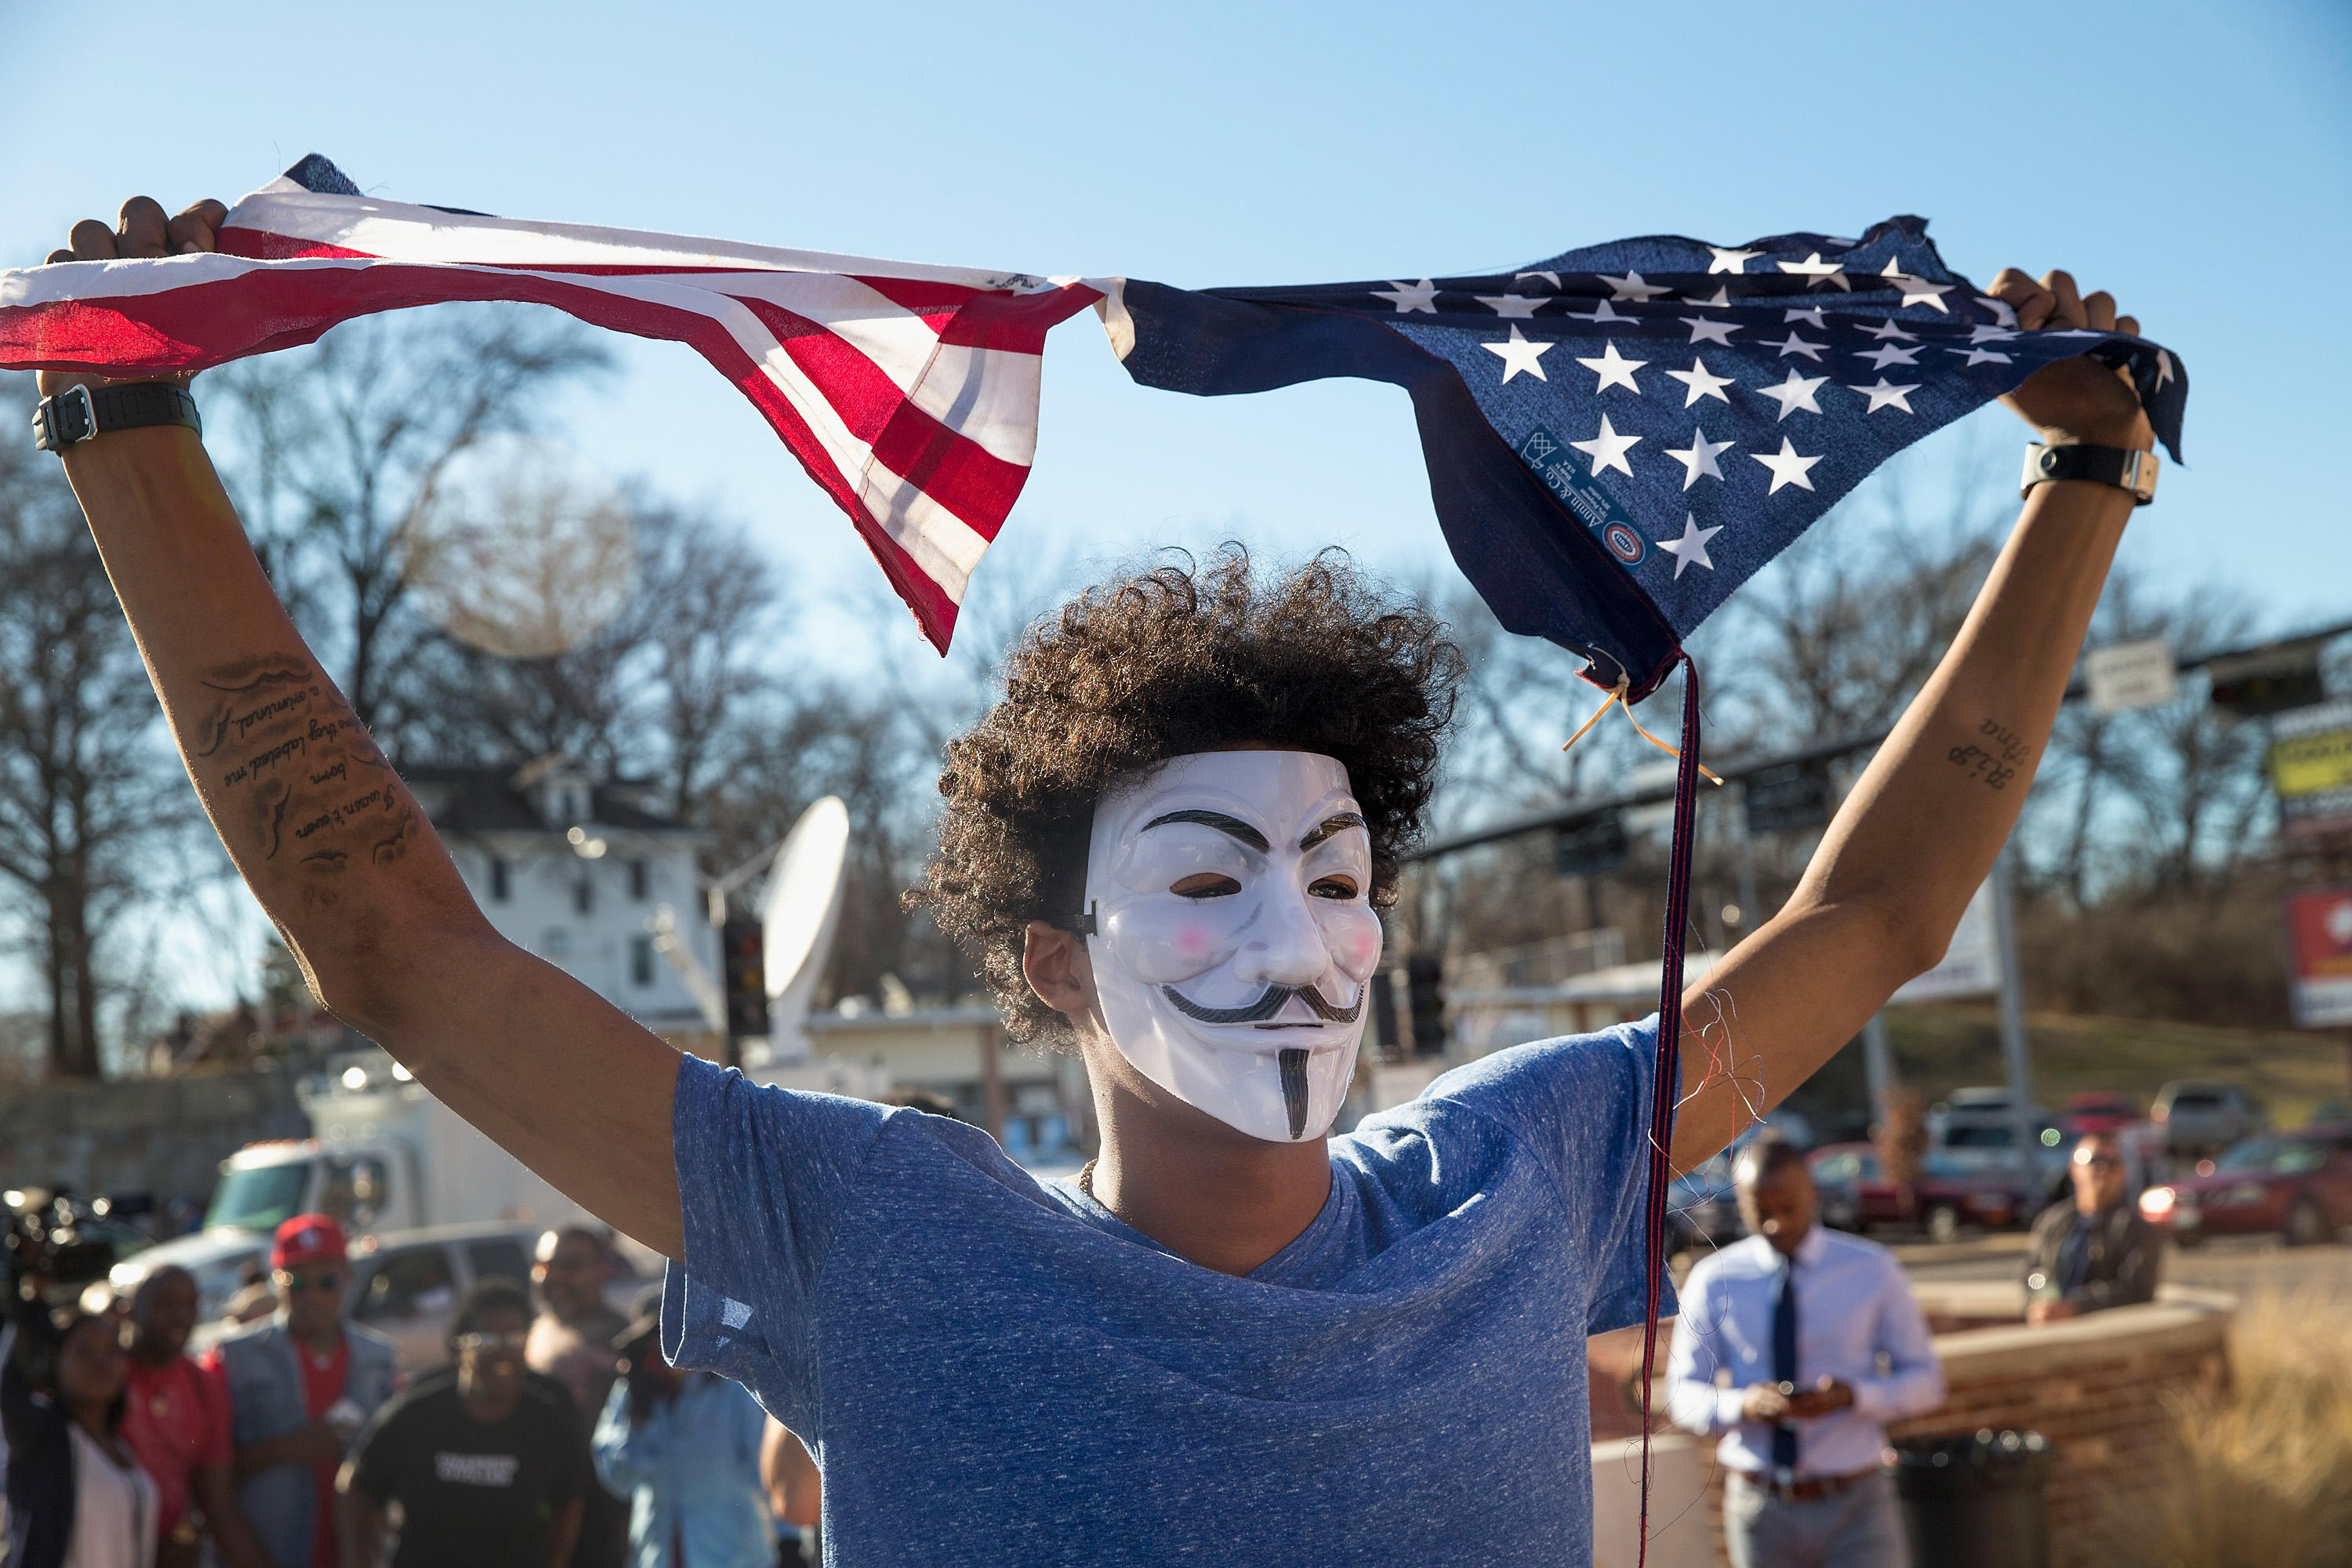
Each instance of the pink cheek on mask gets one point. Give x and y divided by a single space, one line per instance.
1362 948
1193 943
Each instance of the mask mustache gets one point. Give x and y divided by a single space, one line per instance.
1266 1006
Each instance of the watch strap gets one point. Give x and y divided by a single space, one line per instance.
81 414
2126 468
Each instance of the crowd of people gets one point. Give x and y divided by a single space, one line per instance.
555 1436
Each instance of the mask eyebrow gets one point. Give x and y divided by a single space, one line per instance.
1330 826
1231 827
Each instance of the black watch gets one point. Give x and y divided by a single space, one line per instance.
78 414
2126 468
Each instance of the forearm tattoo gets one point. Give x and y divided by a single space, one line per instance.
298 778
1996 757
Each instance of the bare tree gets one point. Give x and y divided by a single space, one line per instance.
335 451
84 789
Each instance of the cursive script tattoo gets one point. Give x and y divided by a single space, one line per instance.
1996 758
295 770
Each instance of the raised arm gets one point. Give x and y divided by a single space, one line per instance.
1915 839
332 843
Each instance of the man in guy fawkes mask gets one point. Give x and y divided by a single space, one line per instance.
1237 1337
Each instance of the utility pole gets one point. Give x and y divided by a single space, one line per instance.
2015 1048
1878 1065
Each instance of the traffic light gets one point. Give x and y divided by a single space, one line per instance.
745 980
1425 997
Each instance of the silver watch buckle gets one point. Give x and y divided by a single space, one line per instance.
49 431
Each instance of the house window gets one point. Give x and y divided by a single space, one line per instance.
583 896
640 881
497 879
641 960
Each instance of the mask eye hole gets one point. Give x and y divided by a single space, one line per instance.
1206 885
1333 887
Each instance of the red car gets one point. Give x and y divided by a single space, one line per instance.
2298 1185
1856 1193
2098 1110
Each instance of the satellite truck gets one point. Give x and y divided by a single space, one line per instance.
386 1155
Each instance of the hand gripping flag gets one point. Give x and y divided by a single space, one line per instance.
1618 436
908 393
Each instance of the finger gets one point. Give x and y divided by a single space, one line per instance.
2032 301
140 232
2070 303
2127 325
2100 309
57 256
197 228
92 240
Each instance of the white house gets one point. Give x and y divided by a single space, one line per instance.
573 869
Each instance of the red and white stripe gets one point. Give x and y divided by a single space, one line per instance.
909 392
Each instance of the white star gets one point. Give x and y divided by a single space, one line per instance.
2001 334
1702 384
1818 271
1410 297
1631 287
2001 310
1722 299
1698 457
1614 370
1980 356
1608 450
1810 316
1690 550
1886 354
2163 366
1519 354
1917 290
1602 312
1705 331
1795 392
1510 306
1728 260
1550 278
1788 469
1886 394
1888 329
1793 344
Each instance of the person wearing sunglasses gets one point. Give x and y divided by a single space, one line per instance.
300 1385
487 1459
2096 1252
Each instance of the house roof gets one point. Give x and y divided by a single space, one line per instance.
462 799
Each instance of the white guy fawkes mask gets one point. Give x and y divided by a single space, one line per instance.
1244 994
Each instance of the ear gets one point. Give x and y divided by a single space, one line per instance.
1055 965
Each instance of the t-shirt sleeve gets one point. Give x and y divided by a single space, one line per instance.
213 1446
1582 1104
764 1174
377 1457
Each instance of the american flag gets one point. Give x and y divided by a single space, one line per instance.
908 393
1619 437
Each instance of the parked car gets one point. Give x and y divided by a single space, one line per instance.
2098 1111
2297 1184
222 1262
1855 1193
2198 1115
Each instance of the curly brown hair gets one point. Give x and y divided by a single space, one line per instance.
1163 663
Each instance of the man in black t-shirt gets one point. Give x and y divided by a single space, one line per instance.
488 1462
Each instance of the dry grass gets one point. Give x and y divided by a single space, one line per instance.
2263 1476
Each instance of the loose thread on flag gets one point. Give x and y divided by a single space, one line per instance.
1616 698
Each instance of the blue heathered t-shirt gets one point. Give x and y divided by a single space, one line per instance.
994 1370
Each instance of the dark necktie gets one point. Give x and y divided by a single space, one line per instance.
1784 1362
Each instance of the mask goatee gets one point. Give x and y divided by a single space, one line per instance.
1294 1088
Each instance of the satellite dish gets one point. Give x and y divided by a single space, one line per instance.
799 908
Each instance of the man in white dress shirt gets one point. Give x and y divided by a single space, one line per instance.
1778 1350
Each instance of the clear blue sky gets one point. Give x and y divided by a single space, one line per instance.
2195 159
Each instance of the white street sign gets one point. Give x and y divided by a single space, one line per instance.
2128 675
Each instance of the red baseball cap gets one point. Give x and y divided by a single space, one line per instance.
307 1238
